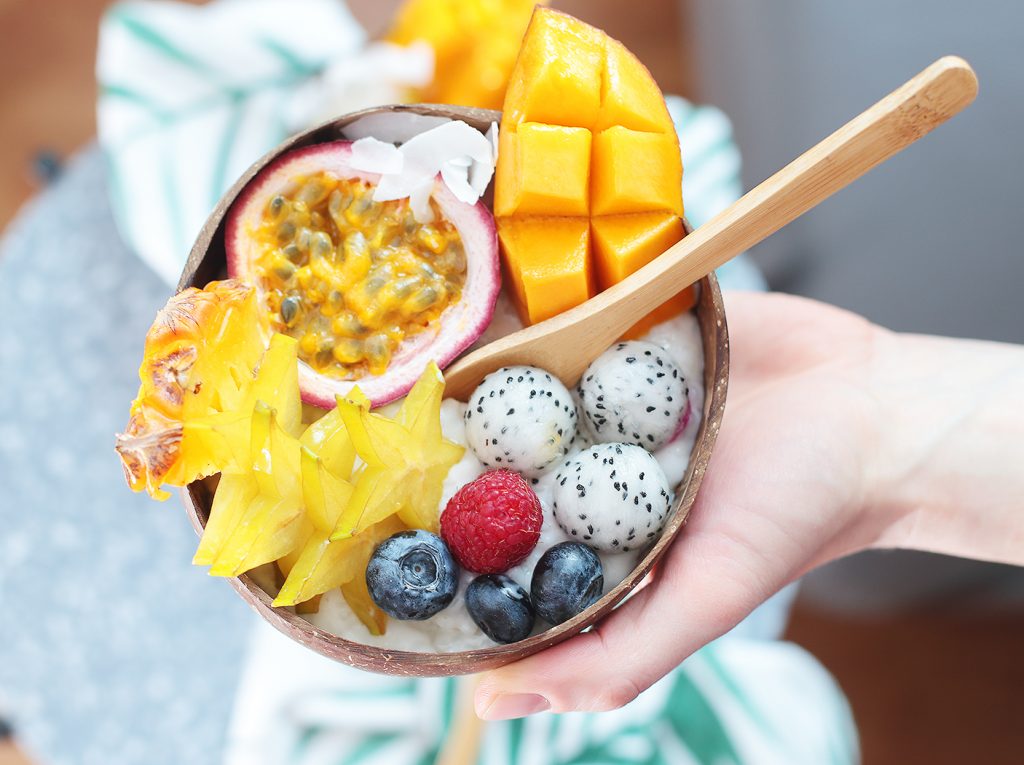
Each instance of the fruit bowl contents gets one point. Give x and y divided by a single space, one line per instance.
538 520
300 400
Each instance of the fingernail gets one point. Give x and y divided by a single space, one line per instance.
515 705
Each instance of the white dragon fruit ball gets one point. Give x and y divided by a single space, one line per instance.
520 418
613 497
634 393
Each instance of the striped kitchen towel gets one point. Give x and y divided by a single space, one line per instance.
736 702
190 96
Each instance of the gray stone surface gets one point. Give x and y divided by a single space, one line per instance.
113 649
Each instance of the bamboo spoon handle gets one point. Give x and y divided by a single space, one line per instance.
566 344
905 115
462 745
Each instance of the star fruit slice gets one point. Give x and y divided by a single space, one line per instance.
325 565
223 437
357 595
274 522
230 439
405 460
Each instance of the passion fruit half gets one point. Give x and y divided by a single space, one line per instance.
370 293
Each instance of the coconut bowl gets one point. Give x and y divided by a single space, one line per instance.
207 261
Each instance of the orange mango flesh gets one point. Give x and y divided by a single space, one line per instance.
582 112
623 243
557 77
629 95
548 263
475 44
632 173
559 186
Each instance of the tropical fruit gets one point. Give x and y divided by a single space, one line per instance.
370 292
475 43
201 349
588 184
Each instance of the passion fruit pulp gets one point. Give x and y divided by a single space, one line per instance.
351 278
370 293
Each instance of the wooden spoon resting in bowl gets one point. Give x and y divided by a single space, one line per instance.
566 344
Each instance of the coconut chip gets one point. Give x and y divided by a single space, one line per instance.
461 155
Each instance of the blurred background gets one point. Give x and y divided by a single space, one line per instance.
928 649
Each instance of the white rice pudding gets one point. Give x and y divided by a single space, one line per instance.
453 629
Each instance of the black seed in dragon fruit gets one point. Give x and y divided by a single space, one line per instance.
634 393
520 418
613 497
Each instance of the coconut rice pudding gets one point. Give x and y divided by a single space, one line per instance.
453 629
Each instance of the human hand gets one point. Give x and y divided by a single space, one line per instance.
807 468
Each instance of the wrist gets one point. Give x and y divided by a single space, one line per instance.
947 475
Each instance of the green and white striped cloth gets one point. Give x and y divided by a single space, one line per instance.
738 701
190 96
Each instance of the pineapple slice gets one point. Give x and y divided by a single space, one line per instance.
199 353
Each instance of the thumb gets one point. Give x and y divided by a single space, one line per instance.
711 578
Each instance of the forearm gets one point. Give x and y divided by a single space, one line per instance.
949 473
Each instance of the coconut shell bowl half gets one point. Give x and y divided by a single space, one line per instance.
207 262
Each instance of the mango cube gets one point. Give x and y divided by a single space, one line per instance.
635 172
557 77
548 263
624 243
551 171
629 95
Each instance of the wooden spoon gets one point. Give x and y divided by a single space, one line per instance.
566 344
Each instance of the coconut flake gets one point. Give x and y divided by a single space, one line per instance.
374 156
456 177
419 202
461 155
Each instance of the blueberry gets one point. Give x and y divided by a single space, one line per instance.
567 580
412 575
500 608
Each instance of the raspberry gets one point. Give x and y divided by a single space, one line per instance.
492 523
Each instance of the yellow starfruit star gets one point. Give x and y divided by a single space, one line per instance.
323 565
357 595
273 523
255 449
223 437
405 460
327 459
328 439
